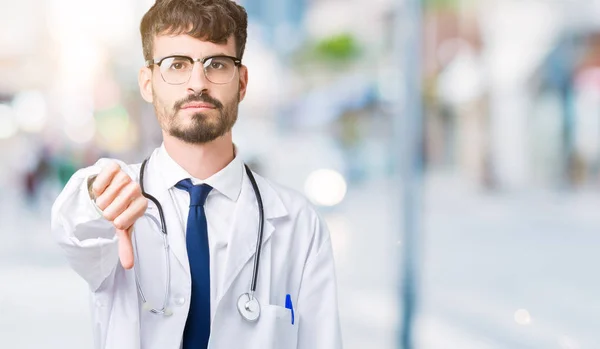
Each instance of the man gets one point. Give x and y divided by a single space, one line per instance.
197 292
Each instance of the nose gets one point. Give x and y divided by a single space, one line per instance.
198 82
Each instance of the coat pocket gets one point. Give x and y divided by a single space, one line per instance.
279 322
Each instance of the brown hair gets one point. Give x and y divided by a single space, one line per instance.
208 20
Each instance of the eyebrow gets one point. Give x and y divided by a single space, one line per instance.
220 54
209 55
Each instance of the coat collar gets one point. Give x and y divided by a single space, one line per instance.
244 230
228 181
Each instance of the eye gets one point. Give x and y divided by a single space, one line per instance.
217 65
177 63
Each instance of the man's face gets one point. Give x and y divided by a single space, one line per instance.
197 111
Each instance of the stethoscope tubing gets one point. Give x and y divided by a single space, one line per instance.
165 234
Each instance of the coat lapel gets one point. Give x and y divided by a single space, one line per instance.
244 233
175 233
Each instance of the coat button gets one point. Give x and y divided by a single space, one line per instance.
179 300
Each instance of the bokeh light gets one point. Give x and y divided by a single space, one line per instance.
522 317
30 109
8 125
82 132
116 132
325 187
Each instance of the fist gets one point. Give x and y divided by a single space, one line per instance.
122 203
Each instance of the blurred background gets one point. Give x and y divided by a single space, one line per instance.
501 252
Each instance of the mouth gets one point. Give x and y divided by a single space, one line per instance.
195 106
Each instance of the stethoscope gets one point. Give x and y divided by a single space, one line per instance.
247 304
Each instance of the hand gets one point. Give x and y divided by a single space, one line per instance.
122 203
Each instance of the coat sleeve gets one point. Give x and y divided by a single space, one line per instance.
319 325
87 239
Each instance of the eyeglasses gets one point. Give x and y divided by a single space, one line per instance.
177 70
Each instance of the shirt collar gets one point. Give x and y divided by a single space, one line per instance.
227 181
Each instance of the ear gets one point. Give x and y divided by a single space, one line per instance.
145 83
243 81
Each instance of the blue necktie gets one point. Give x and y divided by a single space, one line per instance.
197 326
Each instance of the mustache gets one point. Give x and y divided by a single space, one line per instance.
198 97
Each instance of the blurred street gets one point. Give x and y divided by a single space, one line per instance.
480 289
510 270
503 102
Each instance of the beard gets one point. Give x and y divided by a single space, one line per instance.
203 128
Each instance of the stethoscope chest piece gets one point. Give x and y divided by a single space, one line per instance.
248 307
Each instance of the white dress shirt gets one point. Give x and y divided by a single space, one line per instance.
219 208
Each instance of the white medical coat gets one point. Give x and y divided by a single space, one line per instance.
296 259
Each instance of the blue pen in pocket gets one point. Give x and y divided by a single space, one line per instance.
288 304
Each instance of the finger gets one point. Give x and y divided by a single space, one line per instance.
123 200
125 248
135 210
104 178
115 191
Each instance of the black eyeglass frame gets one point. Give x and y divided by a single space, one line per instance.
158 61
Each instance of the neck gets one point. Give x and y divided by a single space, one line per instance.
200 160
